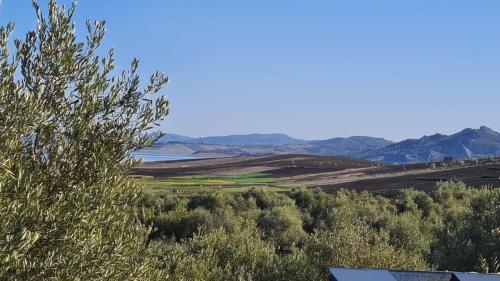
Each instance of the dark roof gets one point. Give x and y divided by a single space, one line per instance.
348 274
421 275
344 274
461 276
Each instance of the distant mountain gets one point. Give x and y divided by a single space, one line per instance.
267 144
482 142
174 138
249 139
350 146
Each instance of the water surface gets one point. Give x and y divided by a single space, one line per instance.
149 156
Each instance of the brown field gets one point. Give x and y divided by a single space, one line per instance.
330 173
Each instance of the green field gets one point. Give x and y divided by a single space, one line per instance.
197 183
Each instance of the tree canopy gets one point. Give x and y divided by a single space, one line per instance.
68 126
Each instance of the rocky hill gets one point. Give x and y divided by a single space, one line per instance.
469 143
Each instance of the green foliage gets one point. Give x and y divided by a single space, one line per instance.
470 237
282 225
268 200
358 245
409 232
198 183
237 256
304 232
68 128
219 256
252 178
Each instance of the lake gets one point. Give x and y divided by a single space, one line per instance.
158 156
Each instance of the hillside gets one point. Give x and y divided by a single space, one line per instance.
265 145
248 139
469 143
350 146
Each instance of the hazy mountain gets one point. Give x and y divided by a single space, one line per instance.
468 143
249 139
347 146
174 138
482 142
268 144
252 139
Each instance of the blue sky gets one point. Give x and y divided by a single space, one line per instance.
312 69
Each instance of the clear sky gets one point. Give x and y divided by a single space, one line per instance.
313 68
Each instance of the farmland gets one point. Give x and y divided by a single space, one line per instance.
196 183
284 172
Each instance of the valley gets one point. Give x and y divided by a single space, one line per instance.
285 172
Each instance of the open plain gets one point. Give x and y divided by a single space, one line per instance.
284 172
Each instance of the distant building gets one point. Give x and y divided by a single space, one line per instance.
347 274
448 160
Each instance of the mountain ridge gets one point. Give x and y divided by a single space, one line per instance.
466 144
236 139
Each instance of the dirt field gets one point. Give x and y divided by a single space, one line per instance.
330 173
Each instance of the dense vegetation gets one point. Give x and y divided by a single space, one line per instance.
68 212
67 126
296 236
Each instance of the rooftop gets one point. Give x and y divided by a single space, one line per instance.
351 274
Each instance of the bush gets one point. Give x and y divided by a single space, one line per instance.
314 231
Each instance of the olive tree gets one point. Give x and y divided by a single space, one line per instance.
68 125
